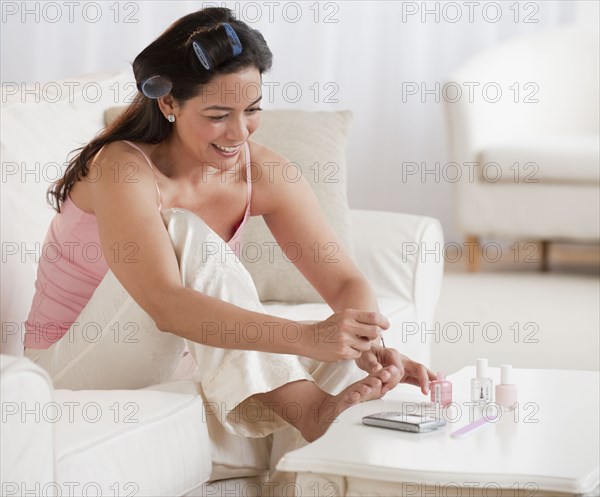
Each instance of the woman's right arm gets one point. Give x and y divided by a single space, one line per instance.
126 209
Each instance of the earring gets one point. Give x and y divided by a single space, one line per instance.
171 118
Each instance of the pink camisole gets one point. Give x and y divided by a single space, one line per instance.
72 266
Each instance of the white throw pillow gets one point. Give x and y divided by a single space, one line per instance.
316 143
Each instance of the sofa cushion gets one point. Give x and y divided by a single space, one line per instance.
232 456
26 434
147 442
549 159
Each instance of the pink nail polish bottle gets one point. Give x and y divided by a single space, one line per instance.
506 392
441 390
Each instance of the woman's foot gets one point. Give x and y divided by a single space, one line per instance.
318 408
324 413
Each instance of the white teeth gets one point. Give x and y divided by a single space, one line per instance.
227 150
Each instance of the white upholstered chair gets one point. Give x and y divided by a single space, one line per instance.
535 146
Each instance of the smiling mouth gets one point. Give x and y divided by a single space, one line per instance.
227 150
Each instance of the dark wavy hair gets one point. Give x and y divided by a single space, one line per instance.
171 56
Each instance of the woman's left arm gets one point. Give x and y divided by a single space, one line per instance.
294 216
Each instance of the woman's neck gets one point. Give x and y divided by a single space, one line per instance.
177 163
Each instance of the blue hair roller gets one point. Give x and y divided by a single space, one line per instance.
156 86
236 44
201 55
234 41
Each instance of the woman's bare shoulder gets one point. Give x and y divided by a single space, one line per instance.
272 177
117 150
260 153
121 160
120 170
271 165
114 162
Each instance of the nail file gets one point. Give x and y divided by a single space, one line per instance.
471 427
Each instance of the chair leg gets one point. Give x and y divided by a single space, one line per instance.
544 247
473 253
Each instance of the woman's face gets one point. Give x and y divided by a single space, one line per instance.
215 124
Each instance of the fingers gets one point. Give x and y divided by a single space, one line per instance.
353 354
372 318
403 370
412 381
390 376
419 376
368 332
423 379
370 363
369 324
360 344
352 335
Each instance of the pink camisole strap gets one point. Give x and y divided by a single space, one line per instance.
151 167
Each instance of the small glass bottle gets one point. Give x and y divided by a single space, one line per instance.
481 385
441 390
506 392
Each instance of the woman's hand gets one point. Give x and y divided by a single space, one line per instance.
344 335
401 368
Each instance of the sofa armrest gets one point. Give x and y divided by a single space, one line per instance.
402 257
26 433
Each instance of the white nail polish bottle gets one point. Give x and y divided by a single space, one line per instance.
481 385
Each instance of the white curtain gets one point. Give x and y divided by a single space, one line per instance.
367 56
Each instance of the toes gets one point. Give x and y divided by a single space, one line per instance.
354 397
351 397
384 375
368 387
393 370
357 392
373 382
387 374
365 389
376 386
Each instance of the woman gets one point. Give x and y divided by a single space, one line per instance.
182 148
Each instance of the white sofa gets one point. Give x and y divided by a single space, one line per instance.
152 441
535 144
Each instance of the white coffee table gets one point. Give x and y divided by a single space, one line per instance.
549 446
